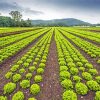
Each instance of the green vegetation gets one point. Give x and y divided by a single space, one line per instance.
77 73
35 89
69 95
81 88
15 21
9 87
97 96
3 98
18 96
25 83
16 77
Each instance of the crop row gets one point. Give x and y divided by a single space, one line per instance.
90 35
4 30
89 48
14 48
12 38
27 72
77 75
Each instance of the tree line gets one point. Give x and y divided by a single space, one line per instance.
15 20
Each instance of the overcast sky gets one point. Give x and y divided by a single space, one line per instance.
86 10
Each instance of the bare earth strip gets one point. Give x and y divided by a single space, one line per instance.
51 88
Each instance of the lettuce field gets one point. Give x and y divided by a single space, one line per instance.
50 63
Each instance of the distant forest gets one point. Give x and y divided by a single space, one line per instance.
14 21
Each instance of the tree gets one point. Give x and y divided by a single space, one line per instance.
16 15
6 21
29 22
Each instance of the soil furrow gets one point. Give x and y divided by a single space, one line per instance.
50 87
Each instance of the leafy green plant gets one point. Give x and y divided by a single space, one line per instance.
34 63
93 55
69 60
42 65
87 76
93 85
43 61
81 88
26 64
67 84
63 68
37 59
64 75
16 77
69 95
38 78
19 62
32 98
8 75
93 71
97 79
84 61
40 71
35 89
88 65
62 63
77 79
25 83
22 70
79 64
32 69
71 64
9 87
18 96
29 76
3 98
82 69
44 57
98 61
29 60
74 71
97 96
14 68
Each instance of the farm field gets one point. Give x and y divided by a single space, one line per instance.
50 63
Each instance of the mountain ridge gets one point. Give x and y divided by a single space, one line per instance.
60 22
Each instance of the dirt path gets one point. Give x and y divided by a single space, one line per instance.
86 39
51 89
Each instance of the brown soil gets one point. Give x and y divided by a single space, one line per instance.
86 39
6 65
17 32
50 87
